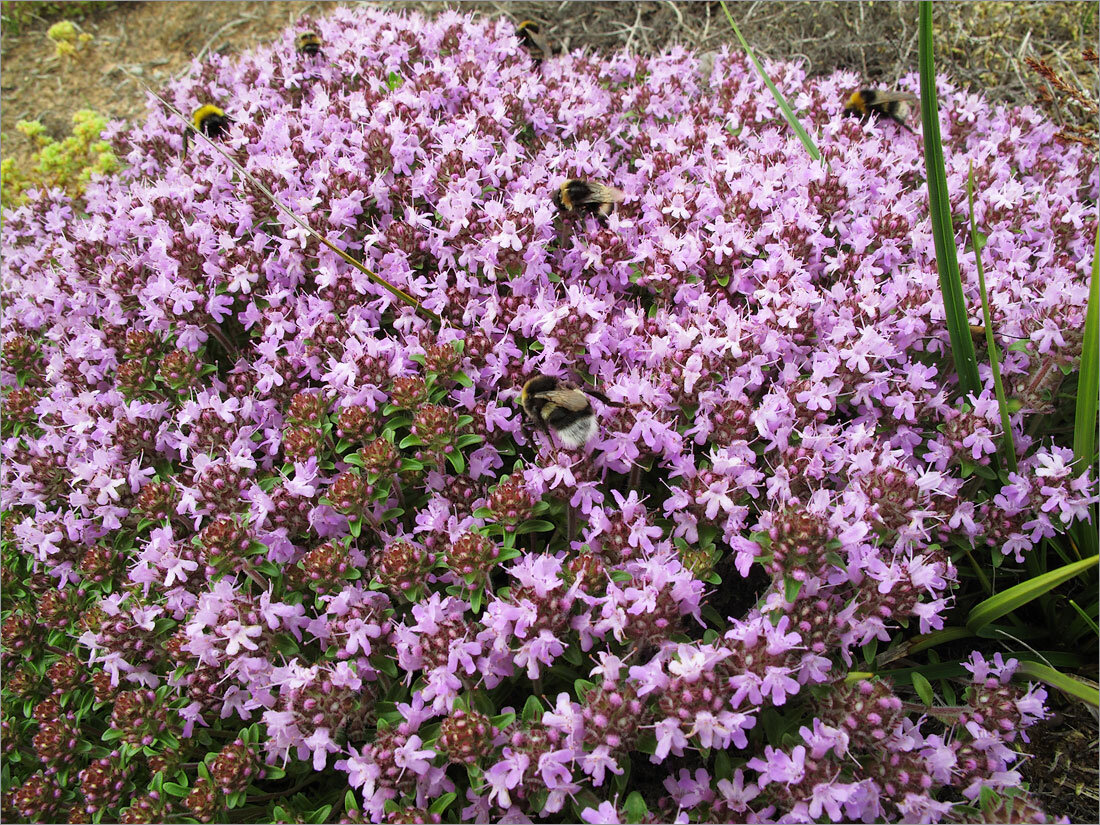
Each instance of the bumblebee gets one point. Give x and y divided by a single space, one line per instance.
584 197
208 119
562 408
894 105
530 35
308 43
706 66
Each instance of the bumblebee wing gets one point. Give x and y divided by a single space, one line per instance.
540 42
572 400
603 398
598 193
894 97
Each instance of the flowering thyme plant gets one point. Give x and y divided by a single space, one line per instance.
281 549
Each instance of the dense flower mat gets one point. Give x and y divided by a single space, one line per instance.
304 537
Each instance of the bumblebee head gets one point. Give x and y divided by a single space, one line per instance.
308 42
568 194
204 113
533 386
857 104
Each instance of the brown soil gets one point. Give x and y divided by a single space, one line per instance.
983 44
152 40
1062 771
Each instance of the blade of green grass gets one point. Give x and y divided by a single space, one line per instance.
939 206
954 670
788 112
1064 683
1008 440
1006 601
1085 617
1088 383
922 642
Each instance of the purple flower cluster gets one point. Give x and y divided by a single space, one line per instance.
265 490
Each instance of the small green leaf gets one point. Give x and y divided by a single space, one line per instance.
791 587
647 743
287 645
924 689
635 808
175 789
533 709
534 526
441 804
870 650
456 460
582 686
723 768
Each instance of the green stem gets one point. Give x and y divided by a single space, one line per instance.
987 586
231 351
1008 439
267 796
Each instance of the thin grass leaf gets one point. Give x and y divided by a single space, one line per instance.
278 204
1006 601
1008 440
1088 383
955 669
939 206
1067 684
1085 616
922 642
788 112
1083 534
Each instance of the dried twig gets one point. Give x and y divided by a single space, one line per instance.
232 24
